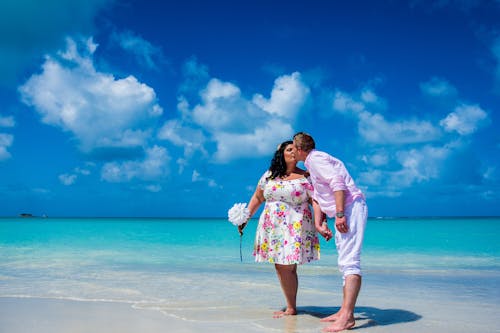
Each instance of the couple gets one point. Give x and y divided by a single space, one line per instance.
286 235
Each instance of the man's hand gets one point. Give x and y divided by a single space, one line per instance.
341 224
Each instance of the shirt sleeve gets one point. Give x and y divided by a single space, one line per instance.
263 180
330 171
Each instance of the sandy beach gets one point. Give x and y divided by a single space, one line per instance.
384 314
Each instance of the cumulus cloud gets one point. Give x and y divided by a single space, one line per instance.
234 124
287 97
190 139
394 166
100 110
465 119
222 106
374 128
419 165
408 167
261 141
152 167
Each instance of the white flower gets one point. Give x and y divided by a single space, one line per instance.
238 214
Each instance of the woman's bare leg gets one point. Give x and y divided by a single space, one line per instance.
287 275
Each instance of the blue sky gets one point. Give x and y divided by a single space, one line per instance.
174 109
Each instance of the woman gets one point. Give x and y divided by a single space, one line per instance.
286 235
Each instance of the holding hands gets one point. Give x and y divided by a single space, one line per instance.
323 230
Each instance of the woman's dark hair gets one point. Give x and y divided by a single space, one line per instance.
278 164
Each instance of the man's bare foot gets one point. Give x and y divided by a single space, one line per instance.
332 317
340 325
287 312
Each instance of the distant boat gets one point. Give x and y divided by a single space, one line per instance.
25 215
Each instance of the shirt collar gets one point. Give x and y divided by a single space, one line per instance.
306 161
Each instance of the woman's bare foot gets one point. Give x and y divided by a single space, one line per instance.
287 312
341 323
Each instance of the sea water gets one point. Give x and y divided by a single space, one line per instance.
179 266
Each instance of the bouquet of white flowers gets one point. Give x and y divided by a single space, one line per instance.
238 215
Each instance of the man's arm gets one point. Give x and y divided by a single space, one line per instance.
340 218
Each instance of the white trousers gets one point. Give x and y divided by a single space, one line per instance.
349 244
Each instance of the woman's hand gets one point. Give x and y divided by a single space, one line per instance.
324 231
241 227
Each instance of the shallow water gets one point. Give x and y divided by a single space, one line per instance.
179 266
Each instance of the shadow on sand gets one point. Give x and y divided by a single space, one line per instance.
368 315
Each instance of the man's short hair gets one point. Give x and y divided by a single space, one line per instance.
304 141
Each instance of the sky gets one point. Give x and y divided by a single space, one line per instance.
114 108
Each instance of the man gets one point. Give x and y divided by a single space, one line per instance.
338 197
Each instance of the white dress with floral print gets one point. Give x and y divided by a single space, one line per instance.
286 233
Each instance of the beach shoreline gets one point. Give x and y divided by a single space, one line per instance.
157 276
388 315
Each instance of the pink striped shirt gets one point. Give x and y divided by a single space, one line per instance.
328 175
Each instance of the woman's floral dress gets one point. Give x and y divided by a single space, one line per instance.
286 233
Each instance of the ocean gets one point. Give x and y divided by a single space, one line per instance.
182 266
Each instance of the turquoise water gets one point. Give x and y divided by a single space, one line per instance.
186 263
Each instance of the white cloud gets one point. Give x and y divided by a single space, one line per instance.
146 53
411 166
222 106
154 166
437 87
155 188
81 171
7 121
238 127
372 177
67 179
195 76
491 174
190 139
197 177
345 103
419 165
260 142
289 94
6 141
377 159
98 109
374 128
70 178
465 120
